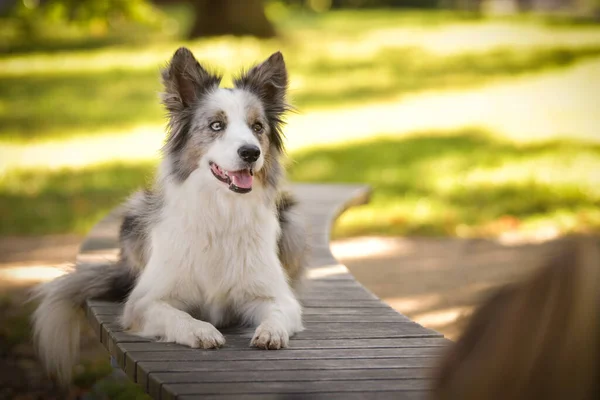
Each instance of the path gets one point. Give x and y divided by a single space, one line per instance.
437 282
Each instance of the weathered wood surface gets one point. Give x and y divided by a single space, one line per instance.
354 346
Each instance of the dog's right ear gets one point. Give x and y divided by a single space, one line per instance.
185 81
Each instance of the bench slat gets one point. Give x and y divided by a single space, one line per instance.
382 395
306 387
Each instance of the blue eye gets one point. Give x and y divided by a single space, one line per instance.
216 126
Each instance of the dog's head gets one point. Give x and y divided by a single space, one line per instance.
232 134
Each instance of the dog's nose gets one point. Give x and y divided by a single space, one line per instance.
249 153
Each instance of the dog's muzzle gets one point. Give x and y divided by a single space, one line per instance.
238 181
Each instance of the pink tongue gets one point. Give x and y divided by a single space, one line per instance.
241 179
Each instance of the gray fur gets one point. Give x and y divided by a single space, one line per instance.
293 242
186 82
56 320
269 81
141 211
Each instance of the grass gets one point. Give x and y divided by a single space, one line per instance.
466 183
455 181
65 200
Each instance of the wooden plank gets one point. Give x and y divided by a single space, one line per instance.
362 330
380 395
146 367
162 378
309 303
241 344
306 387
339 330
383 310
123 337
285 354
282 357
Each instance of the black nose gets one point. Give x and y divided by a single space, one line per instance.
249 153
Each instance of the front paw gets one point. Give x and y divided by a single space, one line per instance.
270 336
200 334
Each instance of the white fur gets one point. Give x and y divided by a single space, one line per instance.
56 332
214 254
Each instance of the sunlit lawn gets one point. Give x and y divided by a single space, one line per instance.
465 183
461 181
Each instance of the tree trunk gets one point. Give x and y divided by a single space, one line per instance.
230 17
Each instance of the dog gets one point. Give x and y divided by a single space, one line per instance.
215 241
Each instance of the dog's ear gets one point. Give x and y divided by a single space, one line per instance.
269 81
185 81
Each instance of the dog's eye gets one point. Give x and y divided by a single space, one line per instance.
216 126
257 127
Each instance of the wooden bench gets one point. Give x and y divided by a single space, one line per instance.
354 346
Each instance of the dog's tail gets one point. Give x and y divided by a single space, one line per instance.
56 320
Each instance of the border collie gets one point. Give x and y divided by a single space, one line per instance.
216 241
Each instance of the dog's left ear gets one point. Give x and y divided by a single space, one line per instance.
269 81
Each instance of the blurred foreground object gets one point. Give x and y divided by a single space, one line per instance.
536 339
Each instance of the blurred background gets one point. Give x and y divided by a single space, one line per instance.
476 122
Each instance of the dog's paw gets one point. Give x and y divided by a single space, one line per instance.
270 337
201 335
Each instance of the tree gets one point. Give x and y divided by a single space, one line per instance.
230 17
32 13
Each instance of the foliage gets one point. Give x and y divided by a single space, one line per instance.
82 11
30 24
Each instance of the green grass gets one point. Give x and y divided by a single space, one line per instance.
65 200
464 183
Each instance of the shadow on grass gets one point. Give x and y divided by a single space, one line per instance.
463 183
55 106
39 202
60 105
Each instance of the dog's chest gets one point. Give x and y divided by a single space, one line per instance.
223 242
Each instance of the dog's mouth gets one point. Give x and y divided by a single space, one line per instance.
237 181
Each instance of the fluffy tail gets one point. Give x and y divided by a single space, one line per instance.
56 320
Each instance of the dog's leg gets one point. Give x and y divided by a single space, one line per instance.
153 310
161 319
277 318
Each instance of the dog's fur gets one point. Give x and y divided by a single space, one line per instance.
196 253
